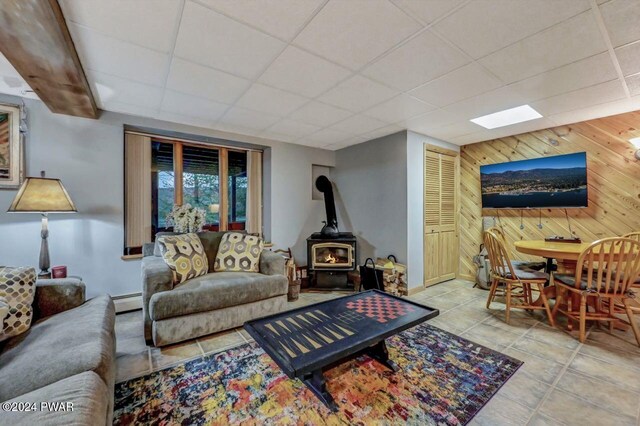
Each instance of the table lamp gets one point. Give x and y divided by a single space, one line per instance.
42 195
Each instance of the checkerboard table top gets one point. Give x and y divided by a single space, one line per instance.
303 339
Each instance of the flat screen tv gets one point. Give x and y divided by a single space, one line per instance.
550 182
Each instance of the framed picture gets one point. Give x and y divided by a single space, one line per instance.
11 160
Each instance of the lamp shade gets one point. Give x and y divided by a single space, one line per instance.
42 195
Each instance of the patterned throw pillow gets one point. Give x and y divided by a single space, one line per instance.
185 256
17 287
238 253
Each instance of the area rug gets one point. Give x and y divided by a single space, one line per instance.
443 380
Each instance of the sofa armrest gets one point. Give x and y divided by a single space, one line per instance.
156 277
148 249
271 263
58 295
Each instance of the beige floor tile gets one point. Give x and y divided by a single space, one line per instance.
246 335
173 354
602 394
516 325
219 341
493 334
445 324
457 320
544 350
524 389
132 365
502 411
624 341
443 302
540 369
541 420
546 334
619 375
574 411
610 354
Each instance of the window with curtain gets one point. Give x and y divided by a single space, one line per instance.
225 182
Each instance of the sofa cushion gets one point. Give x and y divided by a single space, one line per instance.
86 392
214 291
17 288
185 255
71 342
239 252
210 241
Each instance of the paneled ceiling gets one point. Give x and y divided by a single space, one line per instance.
333 73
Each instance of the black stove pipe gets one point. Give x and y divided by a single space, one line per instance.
330 228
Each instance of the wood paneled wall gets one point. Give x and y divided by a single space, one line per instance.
613 181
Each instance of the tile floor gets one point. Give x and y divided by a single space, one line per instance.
561 382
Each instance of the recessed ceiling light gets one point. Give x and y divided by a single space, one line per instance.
635 142
507 117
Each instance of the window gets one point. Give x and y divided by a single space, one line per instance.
160 173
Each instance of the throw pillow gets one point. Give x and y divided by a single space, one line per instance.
238 252
185 256
17 287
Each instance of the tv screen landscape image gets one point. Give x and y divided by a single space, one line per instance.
550 182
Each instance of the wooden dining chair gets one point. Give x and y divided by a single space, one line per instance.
521 264
519 283
605 271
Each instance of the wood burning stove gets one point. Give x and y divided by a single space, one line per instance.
330 254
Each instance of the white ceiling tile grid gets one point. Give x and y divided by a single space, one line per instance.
333 73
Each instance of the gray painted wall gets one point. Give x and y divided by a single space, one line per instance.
371 197
88 156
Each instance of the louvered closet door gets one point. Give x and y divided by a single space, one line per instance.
441 250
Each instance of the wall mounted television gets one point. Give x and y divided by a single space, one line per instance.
558 181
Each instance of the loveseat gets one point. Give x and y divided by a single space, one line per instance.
210 303
67 356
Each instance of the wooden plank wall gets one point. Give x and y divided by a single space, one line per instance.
613 181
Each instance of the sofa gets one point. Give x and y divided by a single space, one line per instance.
210 303
67 356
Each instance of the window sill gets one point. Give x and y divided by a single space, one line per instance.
131 257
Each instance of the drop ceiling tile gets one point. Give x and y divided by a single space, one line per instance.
594 95
402 107
352 33
173 117
328 136
191 106
270 100
524 127
115 57
209 38
148 23
205 82
629 58
597 111
359 124
428 10
381 132
129 109
107 89
357 94
293 128
463 83
633 83
482 135
320 114
425 122
303 73
268 134
238 130
454 130
621 19
421 59
280 18
584 73
485 26
249 119
570 41
487 103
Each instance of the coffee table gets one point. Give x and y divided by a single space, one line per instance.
306 341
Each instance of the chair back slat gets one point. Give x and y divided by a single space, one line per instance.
633 235
498 255
609 265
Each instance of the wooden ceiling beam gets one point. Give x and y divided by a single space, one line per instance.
34 37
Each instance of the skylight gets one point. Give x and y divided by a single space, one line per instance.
507 117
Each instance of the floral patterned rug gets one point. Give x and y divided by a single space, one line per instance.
443 380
